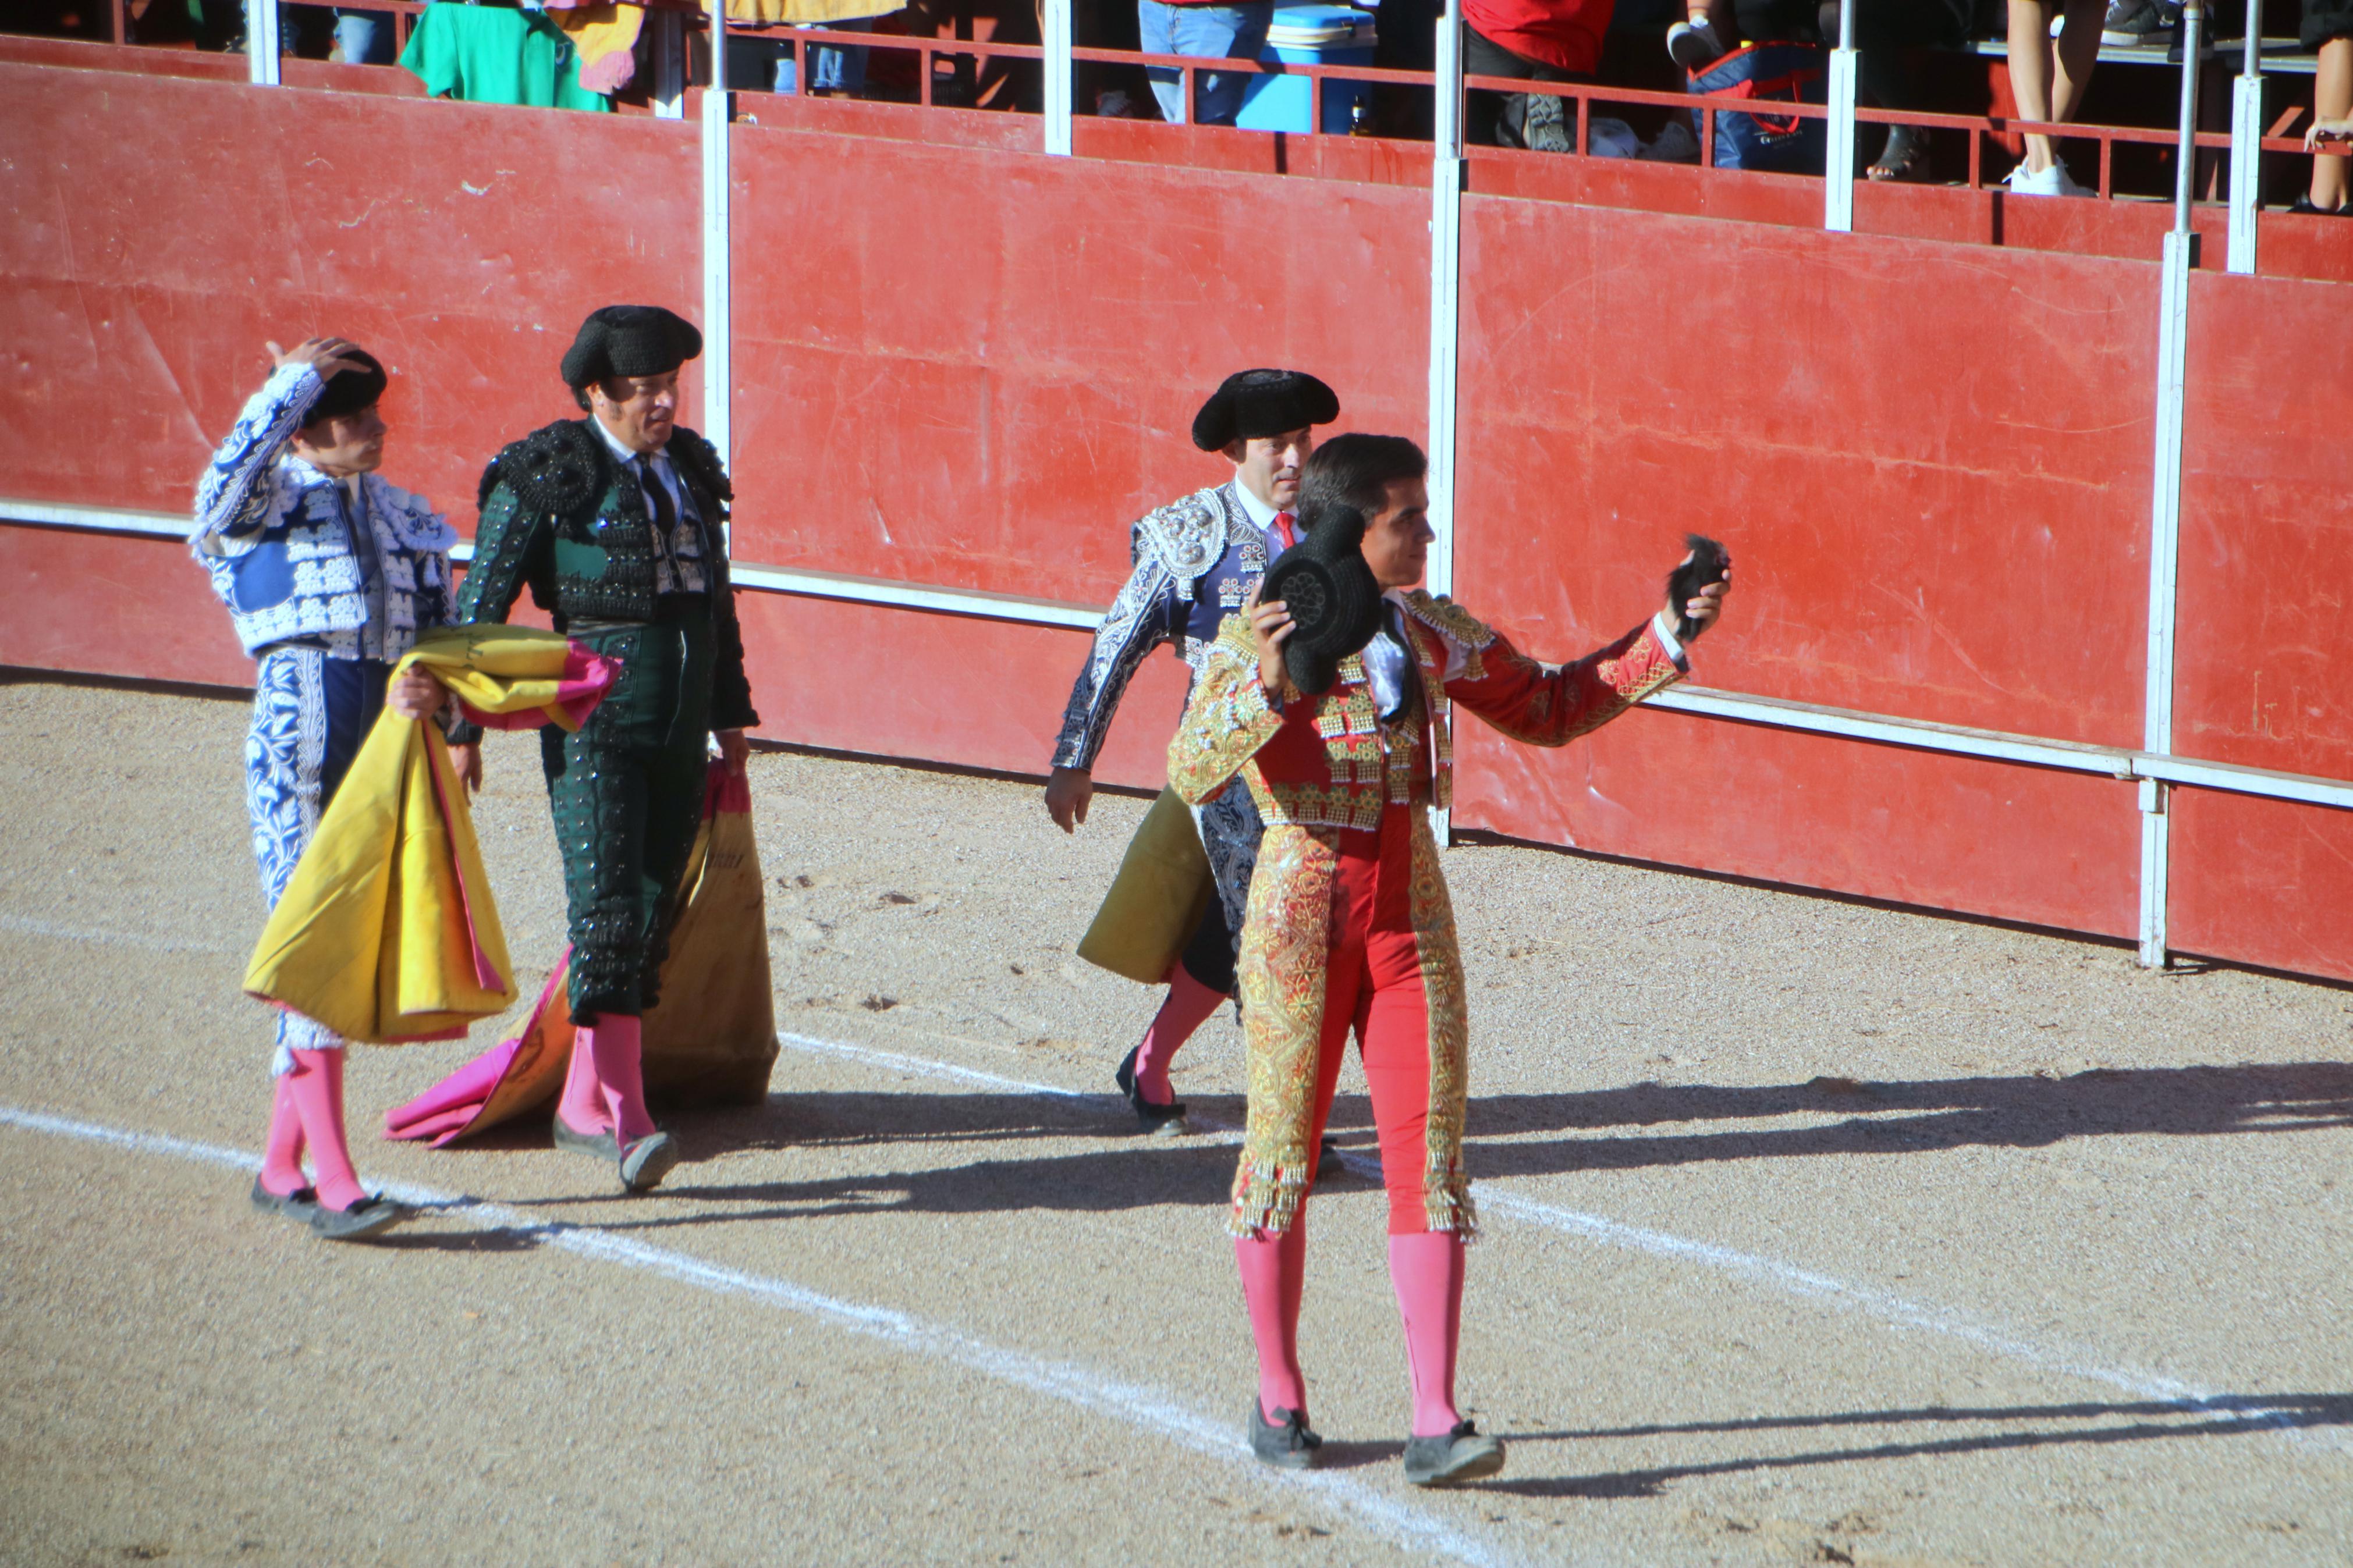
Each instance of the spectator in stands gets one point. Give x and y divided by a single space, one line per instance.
1206 32
362 37
1884 35
1529 40
2047 77
1716 27
2328 30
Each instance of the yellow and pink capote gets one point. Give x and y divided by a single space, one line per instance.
387 932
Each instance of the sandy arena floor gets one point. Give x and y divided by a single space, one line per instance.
1815 1233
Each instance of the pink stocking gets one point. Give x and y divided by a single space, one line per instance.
282 1157
1188 1006
316 1087
1274 1273
1426 1270
613 1044
583 1106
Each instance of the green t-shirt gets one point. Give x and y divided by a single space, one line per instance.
496 54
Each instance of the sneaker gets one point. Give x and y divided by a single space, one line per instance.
1544 126
1693 46
2205 42
1287 1442
1462 1455
2137 21
2053 181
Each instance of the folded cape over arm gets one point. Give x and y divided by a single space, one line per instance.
387 930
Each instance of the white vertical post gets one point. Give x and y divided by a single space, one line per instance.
1838 169
669 92
262 42
2165 508
1445 294
1445 313
1056 16
718 296
2247 145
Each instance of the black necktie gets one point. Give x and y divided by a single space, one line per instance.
665 519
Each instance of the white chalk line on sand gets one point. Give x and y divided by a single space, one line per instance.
1886 1306
1883 1305
1149 1409
28 926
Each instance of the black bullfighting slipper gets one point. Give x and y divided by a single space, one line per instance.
371 1217
1287 1443
604 1145
299 1204
1450 1458
1168 1117
646 1162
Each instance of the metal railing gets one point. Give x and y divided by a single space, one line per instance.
2153 766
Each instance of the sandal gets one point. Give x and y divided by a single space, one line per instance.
1904 156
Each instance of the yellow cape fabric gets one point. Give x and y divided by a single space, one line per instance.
386 930
1162 892
808 13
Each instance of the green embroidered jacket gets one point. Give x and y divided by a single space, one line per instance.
561 517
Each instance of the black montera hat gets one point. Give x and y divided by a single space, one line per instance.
350 391
629 340
1333 599
1263 403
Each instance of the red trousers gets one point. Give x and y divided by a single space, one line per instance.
1374 986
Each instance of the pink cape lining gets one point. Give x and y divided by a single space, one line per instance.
444 1111
587 676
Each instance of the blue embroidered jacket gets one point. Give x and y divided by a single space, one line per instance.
1196 560
272 530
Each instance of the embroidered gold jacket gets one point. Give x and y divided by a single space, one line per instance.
1328 762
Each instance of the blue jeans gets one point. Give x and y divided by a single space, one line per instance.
831 69
1210 32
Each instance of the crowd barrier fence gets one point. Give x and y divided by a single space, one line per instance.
936 359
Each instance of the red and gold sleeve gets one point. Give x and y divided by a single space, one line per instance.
1227 719
1547 707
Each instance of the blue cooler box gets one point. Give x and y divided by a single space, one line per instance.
1310 36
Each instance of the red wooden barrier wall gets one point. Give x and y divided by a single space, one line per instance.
960 363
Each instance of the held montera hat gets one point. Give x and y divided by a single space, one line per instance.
350 391
1333 599
1263 403
629 340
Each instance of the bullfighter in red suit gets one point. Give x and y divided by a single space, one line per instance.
1348 922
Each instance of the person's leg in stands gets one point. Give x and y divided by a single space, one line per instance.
2048 77
2332 98
1214 32
1711 29
1493 119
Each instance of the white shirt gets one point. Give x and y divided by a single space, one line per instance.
1258 510
677 560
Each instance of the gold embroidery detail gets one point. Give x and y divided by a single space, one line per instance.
1285 951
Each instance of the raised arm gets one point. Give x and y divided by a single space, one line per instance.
1227 718
229 496
225 496
1543 705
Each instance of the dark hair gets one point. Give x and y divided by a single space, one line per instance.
580 396
1354 470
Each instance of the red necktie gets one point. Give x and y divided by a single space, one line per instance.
1282 530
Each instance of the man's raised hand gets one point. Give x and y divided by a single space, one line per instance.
1701 608
1270 627
324 355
